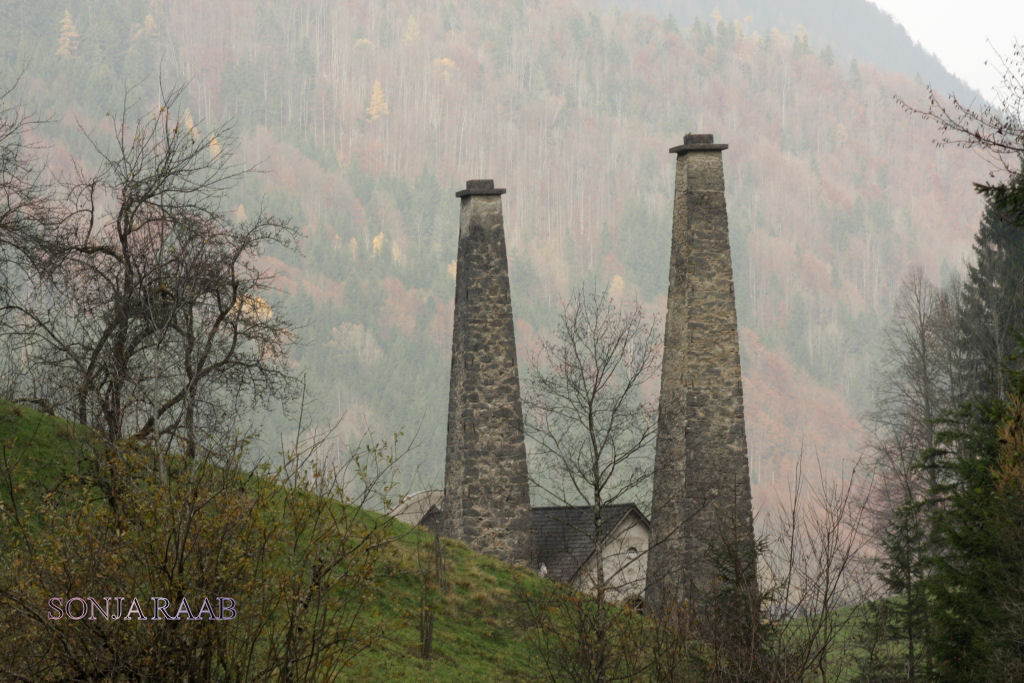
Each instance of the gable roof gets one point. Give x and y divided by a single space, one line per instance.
564 536
432 520
412 508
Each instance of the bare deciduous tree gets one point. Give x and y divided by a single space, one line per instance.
23 191
816 578
591 425
26 211
996 131
149 315
922 379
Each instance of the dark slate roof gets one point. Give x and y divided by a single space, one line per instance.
432 520
564 536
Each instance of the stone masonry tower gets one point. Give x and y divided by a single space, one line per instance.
701 510
486 487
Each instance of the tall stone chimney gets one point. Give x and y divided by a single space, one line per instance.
486 487
701 510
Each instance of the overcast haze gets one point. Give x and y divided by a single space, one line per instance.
963 40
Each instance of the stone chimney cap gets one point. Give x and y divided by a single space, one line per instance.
698 142
480 187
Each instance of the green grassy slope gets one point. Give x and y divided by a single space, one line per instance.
41 446
478 634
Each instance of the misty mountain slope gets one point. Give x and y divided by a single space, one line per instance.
850 28
370 115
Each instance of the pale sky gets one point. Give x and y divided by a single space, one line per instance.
958 32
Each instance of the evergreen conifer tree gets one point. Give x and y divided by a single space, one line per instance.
992 318
975 562
975 504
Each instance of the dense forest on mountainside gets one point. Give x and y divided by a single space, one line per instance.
856 29
367 116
